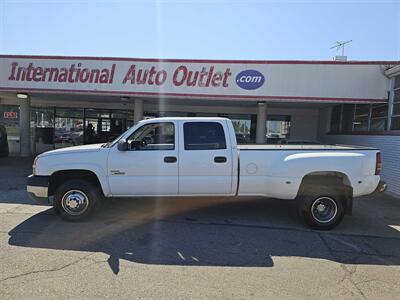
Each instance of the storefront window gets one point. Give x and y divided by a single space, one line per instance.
42 127
242 126
92 131
58 127
97 113
397 82
379 115
129 123
379 110
396 109
277 129
121 114
347 118
361 116
396 105
68 127
9 118
396 123
105 125
68 132
335 119
69 112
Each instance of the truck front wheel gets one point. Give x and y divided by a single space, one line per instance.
321 207
75 199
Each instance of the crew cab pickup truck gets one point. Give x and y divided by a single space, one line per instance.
200 157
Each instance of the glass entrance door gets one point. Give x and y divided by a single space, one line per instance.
103 126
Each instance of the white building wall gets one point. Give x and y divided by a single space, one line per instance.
390 149
345 80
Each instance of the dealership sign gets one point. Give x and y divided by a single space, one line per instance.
250 79
181 76
152 75
192 78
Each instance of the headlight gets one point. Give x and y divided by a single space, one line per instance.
34 165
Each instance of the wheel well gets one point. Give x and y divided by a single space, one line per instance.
59 177
338 180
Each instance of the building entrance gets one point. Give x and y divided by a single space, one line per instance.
54 127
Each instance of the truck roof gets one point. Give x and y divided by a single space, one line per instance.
266 146
188 119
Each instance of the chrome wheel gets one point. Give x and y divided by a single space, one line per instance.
324 209
75 202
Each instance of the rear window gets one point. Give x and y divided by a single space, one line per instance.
204 136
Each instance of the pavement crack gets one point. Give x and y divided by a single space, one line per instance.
348 275
348 272
45 270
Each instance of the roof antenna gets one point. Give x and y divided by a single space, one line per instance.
340 45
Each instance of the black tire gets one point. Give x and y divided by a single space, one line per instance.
56 210
321 207
76 199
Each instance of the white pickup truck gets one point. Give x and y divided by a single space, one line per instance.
200 157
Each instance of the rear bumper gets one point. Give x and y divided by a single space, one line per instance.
382 186
37 188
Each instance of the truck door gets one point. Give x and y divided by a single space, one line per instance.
205 158
150 165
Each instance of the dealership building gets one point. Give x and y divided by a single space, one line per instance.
49 102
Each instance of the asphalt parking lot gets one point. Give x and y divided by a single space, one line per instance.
193 249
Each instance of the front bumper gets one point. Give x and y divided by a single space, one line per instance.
37 188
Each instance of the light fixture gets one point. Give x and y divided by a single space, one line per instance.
124 98
22 95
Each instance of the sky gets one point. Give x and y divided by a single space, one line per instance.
260 30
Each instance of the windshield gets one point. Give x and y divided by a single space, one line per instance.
112 143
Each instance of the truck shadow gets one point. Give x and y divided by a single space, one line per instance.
209 232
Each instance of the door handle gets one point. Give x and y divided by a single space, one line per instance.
220 159
170 159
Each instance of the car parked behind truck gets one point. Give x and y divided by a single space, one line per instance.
188 157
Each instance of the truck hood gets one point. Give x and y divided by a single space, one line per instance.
75 149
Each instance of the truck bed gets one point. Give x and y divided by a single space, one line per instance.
301 147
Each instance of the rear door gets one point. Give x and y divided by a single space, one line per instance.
205 158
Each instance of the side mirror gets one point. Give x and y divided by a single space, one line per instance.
135 145
122 145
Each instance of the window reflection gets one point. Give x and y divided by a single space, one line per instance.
42 125
68 132
278 127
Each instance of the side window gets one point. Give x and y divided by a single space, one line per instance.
204 136
154 136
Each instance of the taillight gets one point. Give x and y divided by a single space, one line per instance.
378 166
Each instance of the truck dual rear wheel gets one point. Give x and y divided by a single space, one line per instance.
321 207
75 199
